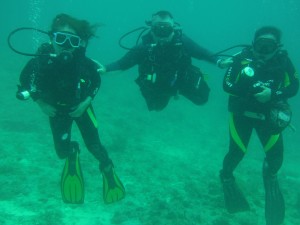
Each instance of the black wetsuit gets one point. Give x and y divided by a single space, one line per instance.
246 113
64 86
165 70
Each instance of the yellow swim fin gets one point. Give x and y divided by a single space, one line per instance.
113 189
72 184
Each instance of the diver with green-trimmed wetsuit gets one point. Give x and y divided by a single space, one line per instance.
63 82
259 83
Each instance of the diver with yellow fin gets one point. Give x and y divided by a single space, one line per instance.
63 82
72 183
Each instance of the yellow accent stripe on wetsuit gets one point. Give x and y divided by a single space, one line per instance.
235 136
92 117
287 81
245 62
237 78
271 142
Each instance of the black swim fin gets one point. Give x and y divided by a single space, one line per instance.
72 184
235 200
274 202
113 189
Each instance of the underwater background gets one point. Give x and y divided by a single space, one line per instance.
169 161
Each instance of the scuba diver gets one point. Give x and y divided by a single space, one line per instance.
63 82
164 60
259 83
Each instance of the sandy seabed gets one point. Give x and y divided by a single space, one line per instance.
168 161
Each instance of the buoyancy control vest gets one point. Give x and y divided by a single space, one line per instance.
165 64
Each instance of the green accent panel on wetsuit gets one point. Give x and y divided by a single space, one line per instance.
287 81
237 78
235 135
271 142
245 62
92 117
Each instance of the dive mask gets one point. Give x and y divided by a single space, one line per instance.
265 46
61 38
162 29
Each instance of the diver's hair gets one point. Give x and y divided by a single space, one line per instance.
268 30
163 14
82 27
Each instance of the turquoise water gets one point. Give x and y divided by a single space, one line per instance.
168 161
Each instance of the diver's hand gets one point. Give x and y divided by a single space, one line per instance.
80 109
225 63
263 96
49 110
102 69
